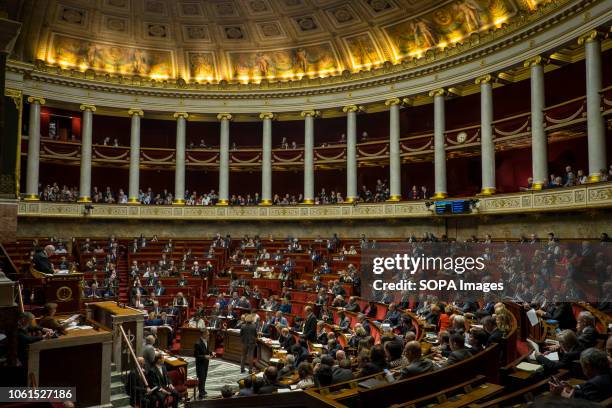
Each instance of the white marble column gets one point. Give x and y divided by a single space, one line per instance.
395 165
179 169
309 155
351 152
86 142
266 159
539 142
595 123
134 183
33 148
487 147
224 159
439 144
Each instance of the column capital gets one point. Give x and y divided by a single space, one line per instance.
266 115
537 60
135 112
438 92
393 102
351 108
591 36
39 99
85 107
310 113
224 116
183 115
485 79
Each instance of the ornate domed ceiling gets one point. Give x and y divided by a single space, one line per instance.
250 40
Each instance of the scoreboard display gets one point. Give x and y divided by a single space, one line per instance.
453 207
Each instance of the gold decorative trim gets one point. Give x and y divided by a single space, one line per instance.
350 200
17 96
584 197
393 101
178 201
86 199
395 198
266 115
594 178
310 113
133 200
224 116
537 60
31 197
537 186
591 36
308 201
85 107
265 202
183 115
487 191
485 79
439 195
135 111
350 108
39 99
438 92
223 203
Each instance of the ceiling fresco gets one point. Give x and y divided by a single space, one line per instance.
250 40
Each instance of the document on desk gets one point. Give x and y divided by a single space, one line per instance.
533 317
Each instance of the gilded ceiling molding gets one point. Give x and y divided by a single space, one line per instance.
537 60
266 115
506 35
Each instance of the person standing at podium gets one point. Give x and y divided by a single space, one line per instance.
41 261
202 354
248 337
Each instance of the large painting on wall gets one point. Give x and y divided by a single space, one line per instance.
309 59
362 50
79 52
447 25
202 65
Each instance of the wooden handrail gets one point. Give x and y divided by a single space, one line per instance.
10 261
131 350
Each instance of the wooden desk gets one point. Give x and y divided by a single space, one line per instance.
191 335
81 359
111 316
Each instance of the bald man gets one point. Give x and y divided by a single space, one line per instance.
41 260
416 363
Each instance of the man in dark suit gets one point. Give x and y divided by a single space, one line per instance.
344 322
598 386
416 363
310 325
271 384
286 339
157 377
587 334
562 313
568 352
490 326
41 260
248 337
202 354
458 350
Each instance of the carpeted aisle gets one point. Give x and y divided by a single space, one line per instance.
220 373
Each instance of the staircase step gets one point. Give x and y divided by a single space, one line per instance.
117 387
120 400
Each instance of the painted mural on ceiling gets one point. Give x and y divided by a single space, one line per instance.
249 41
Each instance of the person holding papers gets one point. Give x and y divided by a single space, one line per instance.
569 350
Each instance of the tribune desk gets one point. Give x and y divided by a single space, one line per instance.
111 316
81 358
